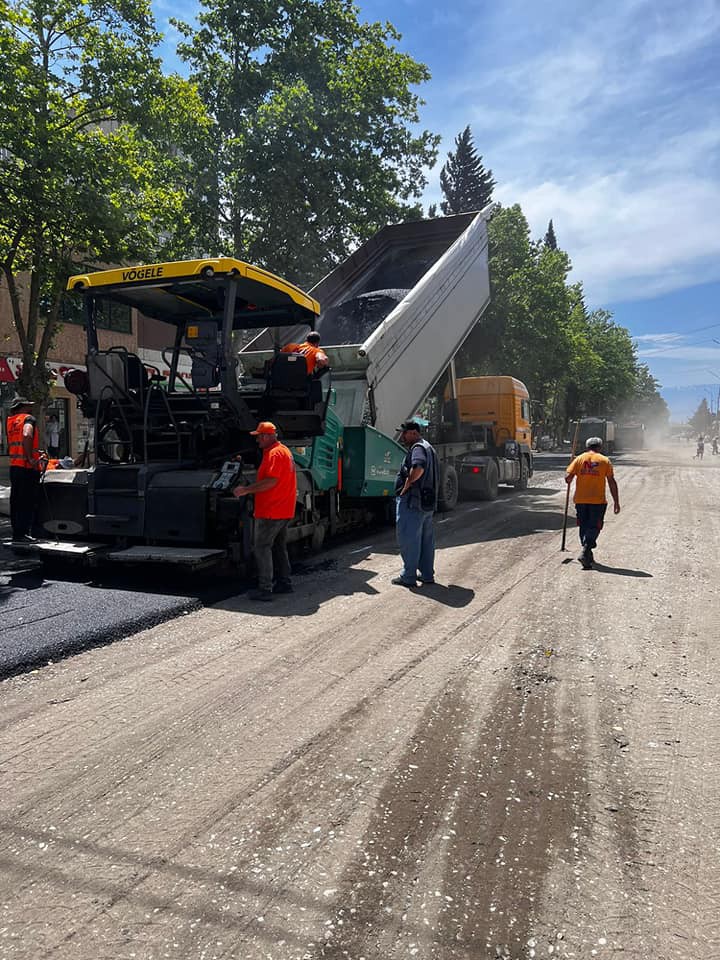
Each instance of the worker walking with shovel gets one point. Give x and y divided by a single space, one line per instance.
590 470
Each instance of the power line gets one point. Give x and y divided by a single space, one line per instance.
681 346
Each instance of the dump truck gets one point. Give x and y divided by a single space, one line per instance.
630 436
394 316
169 450
593 427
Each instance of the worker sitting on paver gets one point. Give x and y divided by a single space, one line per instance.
590 470
315 358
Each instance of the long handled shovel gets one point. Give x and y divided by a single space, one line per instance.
567 492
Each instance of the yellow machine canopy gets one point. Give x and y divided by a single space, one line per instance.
198 289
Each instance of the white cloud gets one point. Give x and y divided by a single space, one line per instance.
660 337
612 132
680 30
629 237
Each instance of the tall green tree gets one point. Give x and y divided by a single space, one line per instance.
92 167
465 183
550 240
701 420
525 331
646 403
609 386
316 118
537 327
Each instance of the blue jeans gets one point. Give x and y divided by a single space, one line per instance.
590 517
416 540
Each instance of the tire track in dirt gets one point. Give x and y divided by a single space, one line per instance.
217 814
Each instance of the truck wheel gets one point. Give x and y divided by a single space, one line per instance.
489 488
524 479
449 488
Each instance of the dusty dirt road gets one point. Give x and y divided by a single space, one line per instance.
523 762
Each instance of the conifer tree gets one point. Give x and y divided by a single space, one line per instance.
550 240
465 183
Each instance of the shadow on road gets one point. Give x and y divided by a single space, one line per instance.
451 595
621 571
309 593
13 581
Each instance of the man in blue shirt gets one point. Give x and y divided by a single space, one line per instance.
416 487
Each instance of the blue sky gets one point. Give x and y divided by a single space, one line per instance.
603 117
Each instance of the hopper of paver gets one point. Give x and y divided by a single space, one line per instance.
394 314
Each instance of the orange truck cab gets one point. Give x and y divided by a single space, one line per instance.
493 415
502 401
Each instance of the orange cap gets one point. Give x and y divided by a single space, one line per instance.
264 427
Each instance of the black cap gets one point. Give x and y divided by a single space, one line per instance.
410 425
313 335
21 402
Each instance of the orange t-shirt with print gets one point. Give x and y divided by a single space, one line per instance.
279 502
590 470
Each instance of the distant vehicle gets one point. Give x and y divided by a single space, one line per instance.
594 427
630 436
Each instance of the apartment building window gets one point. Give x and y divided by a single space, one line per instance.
109 316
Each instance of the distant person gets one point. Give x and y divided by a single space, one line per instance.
26 464
416 489
275 491
714 446
700 449
590 470
315 358
52 431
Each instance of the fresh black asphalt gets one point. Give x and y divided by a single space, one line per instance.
46 613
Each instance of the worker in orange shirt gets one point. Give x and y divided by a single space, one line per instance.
315 358
590 470
26 464
275 491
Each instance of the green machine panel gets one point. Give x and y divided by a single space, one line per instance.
371 461
321 456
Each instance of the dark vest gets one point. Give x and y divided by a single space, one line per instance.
427 484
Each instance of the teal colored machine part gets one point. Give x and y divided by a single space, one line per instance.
321 457
371 461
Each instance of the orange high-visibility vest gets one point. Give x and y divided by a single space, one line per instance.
15 424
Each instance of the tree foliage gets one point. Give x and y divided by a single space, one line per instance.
550 240
465 183
646 404
315 146
91 166
525 329
575 362
701 421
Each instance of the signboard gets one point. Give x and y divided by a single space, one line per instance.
10 367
